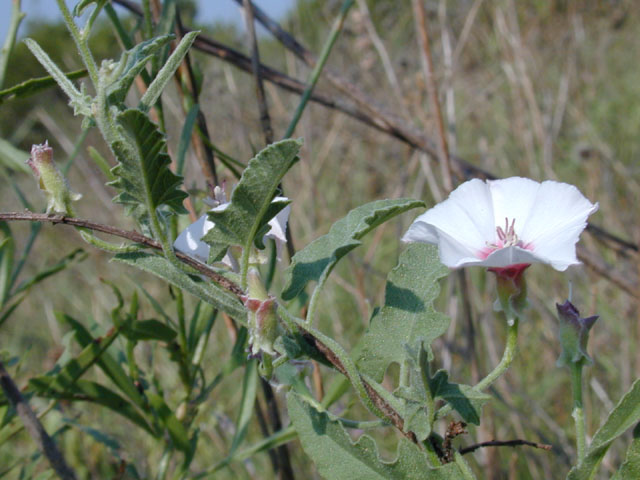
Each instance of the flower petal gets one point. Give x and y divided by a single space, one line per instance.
279 222
189 240
555 223
466 216
513 198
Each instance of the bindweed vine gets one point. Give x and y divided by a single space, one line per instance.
225 266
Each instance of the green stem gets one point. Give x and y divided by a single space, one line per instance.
507 358
80 42
313 303
16 17
315 74
578 411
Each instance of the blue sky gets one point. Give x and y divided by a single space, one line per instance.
209 11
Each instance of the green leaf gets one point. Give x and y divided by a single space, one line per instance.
316 260
176 430
185 137
132 62
207 291
77 255
6 262
80 102
89 391
249 392
106 362
251 200
144 179
337 457
149 330
165 74
34 86
12 158
463 398
624 415
101 163
76 367
631 466
408 313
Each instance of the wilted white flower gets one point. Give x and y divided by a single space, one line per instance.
190 239
500 223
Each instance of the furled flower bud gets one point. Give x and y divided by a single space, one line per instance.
512 289
574 334
263 322
51 180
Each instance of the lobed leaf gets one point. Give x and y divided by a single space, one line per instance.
143 176
624 415
250 208
408 313
337 457
316 260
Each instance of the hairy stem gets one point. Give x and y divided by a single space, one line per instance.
578 411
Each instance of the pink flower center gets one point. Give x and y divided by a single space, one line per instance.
505 237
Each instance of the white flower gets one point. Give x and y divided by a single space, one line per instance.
499 223
189 241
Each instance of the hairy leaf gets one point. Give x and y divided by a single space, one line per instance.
408 313
625 414
631 466
120 76
250 206
36 85
463 398
207 291
144 179
317 259
337 457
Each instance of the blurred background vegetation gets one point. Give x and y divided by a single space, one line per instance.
542 89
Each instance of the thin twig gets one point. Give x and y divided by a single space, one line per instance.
132 235
505 443
34 427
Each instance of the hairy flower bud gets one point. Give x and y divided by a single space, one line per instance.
573 333
263 321
51 180
512 290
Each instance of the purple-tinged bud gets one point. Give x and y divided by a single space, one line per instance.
51 180
573 333
512 289
263 321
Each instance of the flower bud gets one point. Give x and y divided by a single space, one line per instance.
51 180
512 289
263 321
573 333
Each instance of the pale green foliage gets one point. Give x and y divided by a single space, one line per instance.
408 313
463 398
316 260
206 291
144 179
631 466
625 414
251 207
338 458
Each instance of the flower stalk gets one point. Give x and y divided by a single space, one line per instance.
578 411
